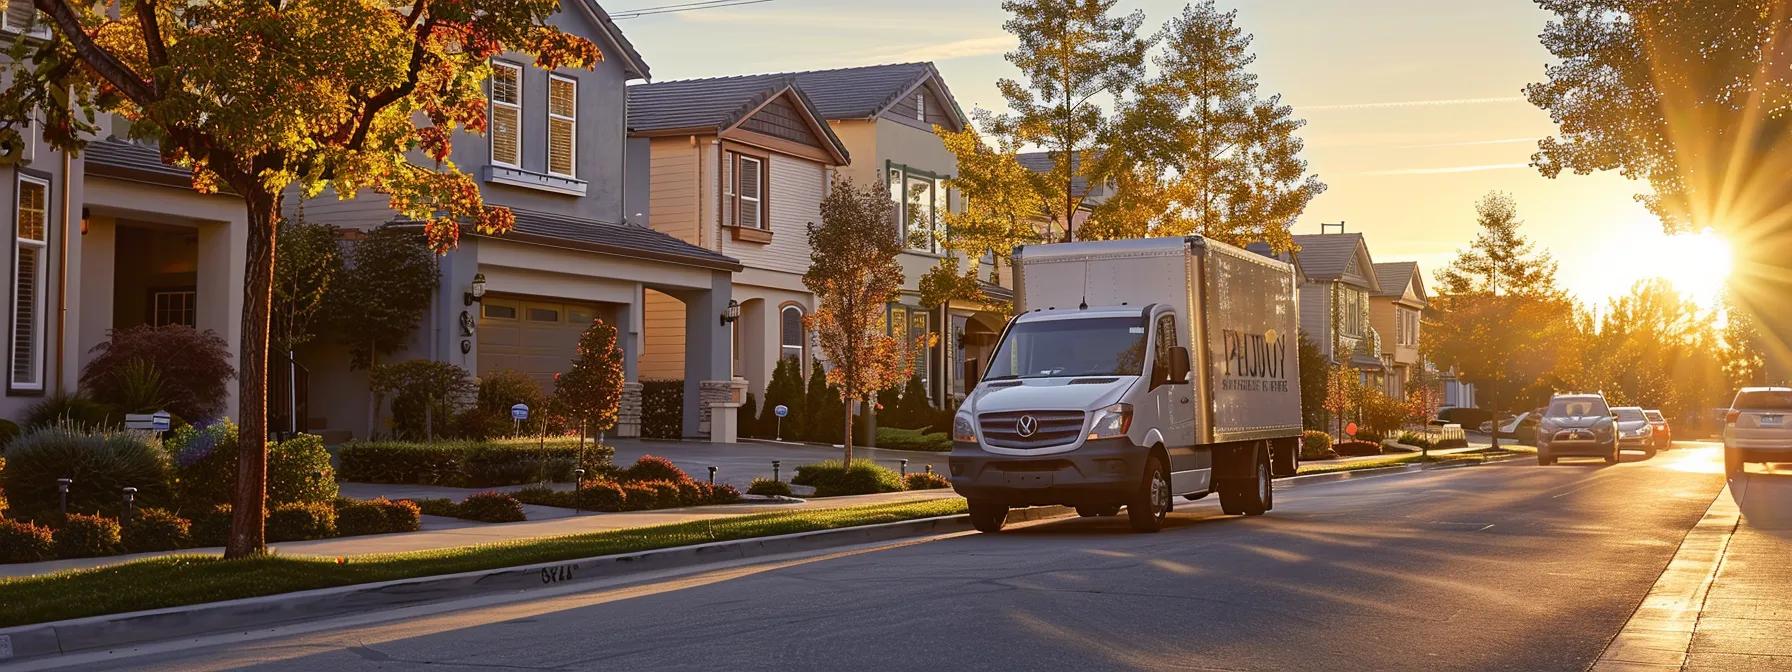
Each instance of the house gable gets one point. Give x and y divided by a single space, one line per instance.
1359 269
781 119
940 108
786 122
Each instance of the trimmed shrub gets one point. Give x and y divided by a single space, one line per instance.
604 496
301 521
637 496
666 494
440 506
156 530
650 468
299 471
747 418
489 418
523 461
925 480
424 393
1316 446
2 487
205 466
830 479
768 488
784 389
77 410
470 463
84 536
722 493
400 462
356 517
1356 448
891 438
193 367
25 542
1370 436
1416 440
596 496
401 515
211 525
491 507
662 408
102 464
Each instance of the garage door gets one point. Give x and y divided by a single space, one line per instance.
537 338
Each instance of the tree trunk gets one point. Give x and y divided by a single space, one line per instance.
847 437
249 506
374 399
1494 406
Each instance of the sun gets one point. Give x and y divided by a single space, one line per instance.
1696 264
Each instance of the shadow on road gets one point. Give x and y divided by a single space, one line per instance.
1765 498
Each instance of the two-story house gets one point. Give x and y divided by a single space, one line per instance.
1395 310
555 156
1334 299
737 165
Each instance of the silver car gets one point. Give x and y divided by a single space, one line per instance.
1577 425
1758 427
1635 432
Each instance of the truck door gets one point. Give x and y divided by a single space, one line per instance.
1174 399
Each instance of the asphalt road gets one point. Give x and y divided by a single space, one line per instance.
1509 566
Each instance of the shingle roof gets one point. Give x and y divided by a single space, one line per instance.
1042 162
1326 255
621 239
130 156
994 291
713 104
1394 276
843 93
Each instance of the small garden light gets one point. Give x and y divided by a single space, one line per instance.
712 475
578 490
775 470
905 467
62 487
130 507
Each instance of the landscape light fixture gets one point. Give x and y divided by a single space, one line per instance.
731 313
478 293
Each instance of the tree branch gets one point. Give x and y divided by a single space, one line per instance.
156 48
104 63
379 102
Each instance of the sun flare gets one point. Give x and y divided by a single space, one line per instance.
1697 264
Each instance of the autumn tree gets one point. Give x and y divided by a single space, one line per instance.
590 394
310 265
1743 363
256 96
1315 372
1691 98
1500 309
854 275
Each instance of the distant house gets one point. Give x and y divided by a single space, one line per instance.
1395 310
1334 300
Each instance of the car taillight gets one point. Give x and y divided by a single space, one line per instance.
1731 416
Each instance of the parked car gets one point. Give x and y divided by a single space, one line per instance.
1758 427
1577 425
1664 434
1508 426
1634 430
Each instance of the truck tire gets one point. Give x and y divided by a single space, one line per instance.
1287 458
987 516
1102 511
1151 504
1252 497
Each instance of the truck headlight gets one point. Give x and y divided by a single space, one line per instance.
963 430
1111 422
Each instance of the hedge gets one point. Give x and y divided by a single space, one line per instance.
830 479
662 408
892 438
469 464
1316 446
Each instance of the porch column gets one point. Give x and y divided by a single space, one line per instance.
706 357
219 296
93 306
759 344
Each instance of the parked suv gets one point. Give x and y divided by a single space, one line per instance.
1577 425
1758 427
1664 433
1635 432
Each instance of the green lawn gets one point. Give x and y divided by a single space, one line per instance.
172 581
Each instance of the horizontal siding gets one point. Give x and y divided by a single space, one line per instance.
662 337
796 188
365 211
673 192
1315 311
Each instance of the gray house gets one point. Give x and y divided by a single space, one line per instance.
555 155
1334 298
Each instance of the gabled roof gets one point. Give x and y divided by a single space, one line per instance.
1395 276
862 92
1326 256
627 240
632 63
716 105
1260 247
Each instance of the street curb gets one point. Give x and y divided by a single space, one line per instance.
116 630
1658 635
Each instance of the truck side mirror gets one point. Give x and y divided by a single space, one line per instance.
1179 365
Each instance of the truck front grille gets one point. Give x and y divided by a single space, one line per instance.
1051 428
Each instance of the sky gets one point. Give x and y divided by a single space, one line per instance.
1414 108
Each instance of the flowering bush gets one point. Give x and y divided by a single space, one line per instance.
84 536
650 468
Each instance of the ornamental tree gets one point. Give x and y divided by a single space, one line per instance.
591 393
854 275
256 96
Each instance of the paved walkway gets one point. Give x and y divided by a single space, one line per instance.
468 533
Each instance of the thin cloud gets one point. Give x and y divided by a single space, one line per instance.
1452 169
976 46
1413 103
1471 143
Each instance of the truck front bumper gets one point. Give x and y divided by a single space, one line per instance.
1100 472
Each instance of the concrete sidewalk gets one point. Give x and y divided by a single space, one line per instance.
469 533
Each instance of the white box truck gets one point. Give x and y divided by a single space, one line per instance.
1135 371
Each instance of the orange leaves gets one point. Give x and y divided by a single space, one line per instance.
434 141
554 49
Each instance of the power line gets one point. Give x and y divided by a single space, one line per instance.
684 7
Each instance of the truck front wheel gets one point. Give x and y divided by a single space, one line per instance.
1151 504
988 516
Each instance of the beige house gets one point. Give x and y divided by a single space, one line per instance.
1395 311
1334 299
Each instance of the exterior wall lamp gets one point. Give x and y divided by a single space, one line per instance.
731 313
478 293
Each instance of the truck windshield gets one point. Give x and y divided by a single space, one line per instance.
1103 346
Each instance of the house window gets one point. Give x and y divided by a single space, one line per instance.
174 307
908 323
1350 303
920 220
544 315
896 201
563 121
498 311
920 106
747 192
19 14
507 114
791 333
27 282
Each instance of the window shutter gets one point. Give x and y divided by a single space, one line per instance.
750 184
507 114
562 123
730 195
